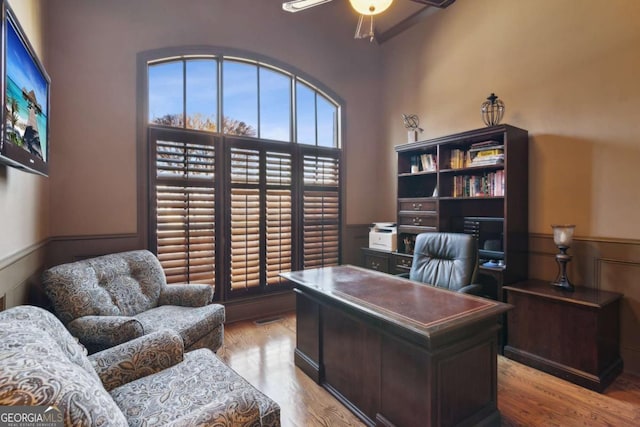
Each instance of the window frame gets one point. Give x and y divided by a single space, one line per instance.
145 205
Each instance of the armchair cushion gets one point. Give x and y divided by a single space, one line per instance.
190 322
138 358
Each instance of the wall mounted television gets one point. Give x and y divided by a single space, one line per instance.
24 143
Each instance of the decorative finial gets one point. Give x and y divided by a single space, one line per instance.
492 110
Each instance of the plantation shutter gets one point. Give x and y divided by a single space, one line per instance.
261 216
245 218
279 216
321 209
184 196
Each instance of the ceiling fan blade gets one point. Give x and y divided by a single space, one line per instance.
298 5
436 3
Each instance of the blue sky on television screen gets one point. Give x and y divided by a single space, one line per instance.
23 71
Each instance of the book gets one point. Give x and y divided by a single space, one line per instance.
429 162
456 158
486 148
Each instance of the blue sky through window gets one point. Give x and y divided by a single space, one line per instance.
316 116
275 105
240 92
165 90
202 94
306 114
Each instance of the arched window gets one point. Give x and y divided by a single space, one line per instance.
244 172
241 97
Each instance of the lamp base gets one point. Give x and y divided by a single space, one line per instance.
564 285
562 281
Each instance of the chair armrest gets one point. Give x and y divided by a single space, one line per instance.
191 295
473 289
100 332
138 358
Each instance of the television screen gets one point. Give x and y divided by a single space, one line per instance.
25 142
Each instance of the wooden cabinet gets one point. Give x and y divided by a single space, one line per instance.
572 335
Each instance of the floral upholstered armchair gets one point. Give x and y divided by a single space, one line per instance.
148 381
107 300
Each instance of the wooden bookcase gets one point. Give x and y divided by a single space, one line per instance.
427 199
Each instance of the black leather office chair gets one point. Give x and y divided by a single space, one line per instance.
446 260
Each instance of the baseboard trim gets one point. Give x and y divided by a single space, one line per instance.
269 305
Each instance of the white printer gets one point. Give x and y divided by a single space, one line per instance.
383 236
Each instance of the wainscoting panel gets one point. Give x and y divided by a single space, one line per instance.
623 277
612 265
20 277
74 248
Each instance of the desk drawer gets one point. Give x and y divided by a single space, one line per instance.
401 263
418 219
376 260
417 204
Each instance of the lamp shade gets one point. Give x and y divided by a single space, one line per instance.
370 7
563 235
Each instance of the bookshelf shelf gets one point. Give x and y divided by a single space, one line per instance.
472 169
404 175
473 198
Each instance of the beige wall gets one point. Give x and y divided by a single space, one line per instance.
24 197
568 73
93 172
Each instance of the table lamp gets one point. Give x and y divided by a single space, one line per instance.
562 237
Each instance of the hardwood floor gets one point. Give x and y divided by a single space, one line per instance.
263 354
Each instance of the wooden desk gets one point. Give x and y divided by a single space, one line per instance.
397 352
572 335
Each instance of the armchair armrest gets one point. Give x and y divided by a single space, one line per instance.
138 358
473 289
100 332
191 295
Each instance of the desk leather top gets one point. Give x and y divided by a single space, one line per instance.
411 304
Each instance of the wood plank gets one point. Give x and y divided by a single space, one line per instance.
263 354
